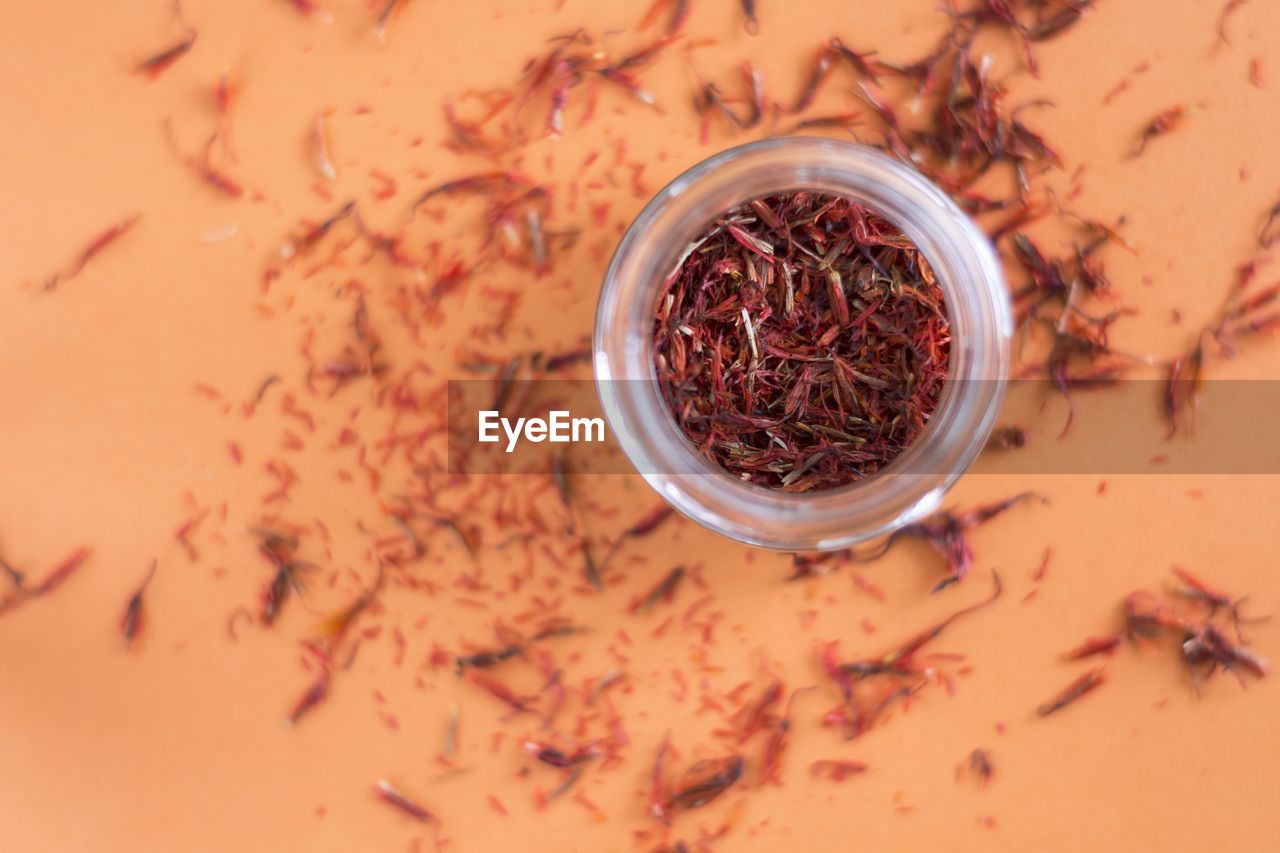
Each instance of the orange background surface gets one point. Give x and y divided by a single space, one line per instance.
179 744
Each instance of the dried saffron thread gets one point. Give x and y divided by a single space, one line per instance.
836 770
802 342
65 569
513 645
981 765
391 795
157 63
280 551
389 8
664 590
705 781
92 250
131 624
1086 683
316 693
899 672
679 14
203 166
947 532
1162 123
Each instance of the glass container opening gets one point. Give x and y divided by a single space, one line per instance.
801 341
910 486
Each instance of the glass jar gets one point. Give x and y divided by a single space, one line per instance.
913 484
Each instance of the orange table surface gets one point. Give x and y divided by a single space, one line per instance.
179 743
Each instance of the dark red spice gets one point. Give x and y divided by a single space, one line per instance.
706 780
489 657
756 716
16 577
828 55
836 770
263 387
310 237
388 187
1206 648
620 72
1197 589
1093 646
1240 317
899 671
335 627
499 691
947 533
844 121
153 66
648 523
316 693
53 580
92 250
185 530
664 590
279 550
1050 24
131 624
871 589
802 342
556 757
776 743
679 14
384 17
659 798
570 780
483 183
1051 20
980 765
1145 615
560 476
1163 122
1270 231
61 572
203 166
903 658
1182 389
709 99
1086 683
389 794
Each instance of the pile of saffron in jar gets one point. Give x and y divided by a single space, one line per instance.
802 342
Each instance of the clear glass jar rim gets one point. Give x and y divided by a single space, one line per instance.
966 268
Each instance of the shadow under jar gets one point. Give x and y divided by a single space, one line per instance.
913 483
